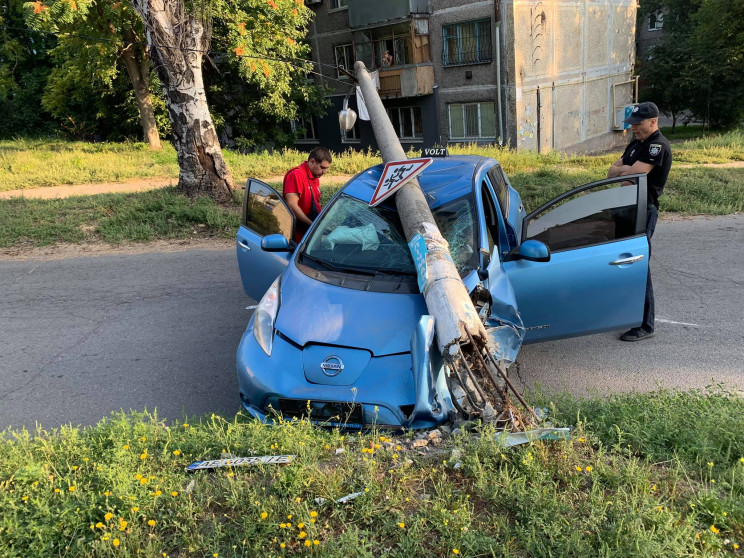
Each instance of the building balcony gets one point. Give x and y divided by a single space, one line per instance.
363 13
407 81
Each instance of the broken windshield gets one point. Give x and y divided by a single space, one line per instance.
356 237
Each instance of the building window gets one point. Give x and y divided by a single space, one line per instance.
472 121
350 136
467 43
344 58
338 4
305 130
407 122
656 22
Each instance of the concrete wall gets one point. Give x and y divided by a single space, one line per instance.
461 84
572 52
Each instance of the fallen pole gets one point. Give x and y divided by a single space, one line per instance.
474 382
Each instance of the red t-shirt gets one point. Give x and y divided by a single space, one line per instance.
300 180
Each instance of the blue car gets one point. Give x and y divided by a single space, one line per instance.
341 332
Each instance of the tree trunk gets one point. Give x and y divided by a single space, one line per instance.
139 74
181 41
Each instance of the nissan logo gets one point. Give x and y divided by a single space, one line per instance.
332 366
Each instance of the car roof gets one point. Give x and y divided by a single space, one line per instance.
446 179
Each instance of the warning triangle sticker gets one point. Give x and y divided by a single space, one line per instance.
395 175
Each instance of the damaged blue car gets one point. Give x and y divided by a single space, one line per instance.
341 333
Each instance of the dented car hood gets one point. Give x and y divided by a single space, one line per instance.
311 311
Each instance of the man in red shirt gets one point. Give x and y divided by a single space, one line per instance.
302 189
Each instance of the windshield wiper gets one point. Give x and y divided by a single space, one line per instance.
337 268
397 272
321 262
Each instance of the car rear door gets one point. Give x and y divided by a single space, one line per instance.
596 277
264 213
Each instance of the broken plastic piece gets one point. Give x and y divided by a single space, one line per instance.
240 461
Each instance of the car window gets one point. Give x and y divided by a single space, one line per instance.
498 182
588 217
352 235
265 211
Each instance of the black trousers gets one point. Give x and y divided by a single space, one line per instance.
648 307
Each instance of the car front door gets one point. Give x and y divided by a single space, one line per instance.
264 213
596 277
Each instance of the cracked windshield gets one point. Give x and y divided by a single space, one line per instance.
355 237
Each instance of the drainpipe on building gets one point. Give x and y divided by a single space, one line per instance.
498 75
437 129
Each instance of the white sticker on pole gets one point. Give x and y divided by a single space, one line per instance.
395 175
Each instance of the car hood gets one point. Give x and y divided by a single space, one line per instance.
311 312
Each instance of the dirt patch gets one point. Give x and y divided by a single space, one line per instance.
94 249
139 185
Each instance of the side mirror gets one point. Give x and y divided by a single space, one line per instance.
275 243
484 260
530 250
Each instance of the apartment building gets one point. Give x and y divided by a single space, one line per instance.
540 75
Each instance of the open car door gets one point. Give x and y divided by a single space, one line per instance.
596 277
264 213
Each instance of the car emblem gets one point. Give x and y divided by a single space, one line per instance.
332 366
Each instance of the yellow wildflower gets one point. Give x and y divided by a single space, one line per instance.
264 515
455 551
316 542
72 488
116 542
714 529
176 452
302 534
108 516
300 525
402 525
308 543
282 545
174 493
151 523
588 469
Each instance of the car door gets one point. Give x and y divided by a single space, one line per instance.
264 213
596 277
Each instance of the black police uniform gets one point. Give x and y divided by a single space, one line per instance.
654 150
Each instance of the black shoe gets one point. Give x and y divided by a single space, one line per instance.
636 334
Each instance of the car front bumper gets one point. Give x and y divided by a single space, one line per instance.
389 392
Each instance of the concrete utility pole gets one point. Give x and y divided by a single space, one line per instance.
461 336
446 297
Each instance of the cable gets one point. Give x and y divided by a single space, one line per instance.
292 62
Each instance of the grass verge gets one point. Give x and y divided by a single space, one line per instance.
38 163
654 475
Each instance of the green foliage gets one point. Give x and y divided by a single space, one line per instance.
697 66
252 96
24 69
120 488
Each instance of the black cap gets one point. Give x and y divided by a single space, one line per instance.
641 112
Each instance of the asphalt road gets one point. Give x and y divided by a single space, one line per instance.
84 336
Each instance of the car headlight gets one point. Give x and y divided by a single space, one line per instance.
263 321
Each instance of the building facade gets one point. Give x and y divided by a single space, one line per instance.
540 75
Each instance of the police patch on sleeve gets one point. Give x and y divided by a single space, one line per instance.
654 149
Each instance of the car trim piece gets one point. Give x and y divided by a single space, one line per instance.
626 261
243 245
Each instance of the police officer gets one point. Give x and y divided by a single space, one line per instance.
648 153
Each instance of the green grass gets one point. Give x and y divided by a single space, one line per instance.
38 163
655 475
115 218
691 189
